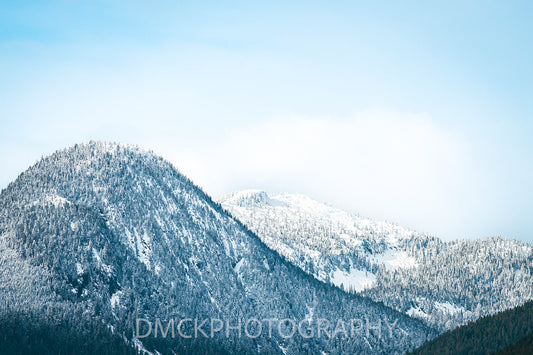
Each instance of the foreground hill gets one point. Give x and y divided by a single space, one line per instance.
443 283
113 237
509 332
523 346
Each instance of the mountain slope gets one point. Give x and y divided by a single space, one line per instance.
121 235
460 281
326 242
414 273
523 346
504 331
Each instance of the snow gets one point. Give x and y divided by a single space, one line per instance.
51 199
356 279
394 259
107 269
281 248
368 343
350 239
239 266
309 316
96 255
115 299
265 263
448 307
308 232
56 200
417 313
145 252
140 346
226 247
79 269
247 198
141 243
157 269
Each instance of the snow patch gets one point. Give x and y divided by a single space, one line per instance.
157 270
357 280
417 313
115 299
96 255
79 269
394 259
239 265
51 199
265 264
310 313
448 307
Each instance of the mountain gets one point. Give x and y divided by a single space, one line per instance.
460 281
445 284
508 332
328 243
109 242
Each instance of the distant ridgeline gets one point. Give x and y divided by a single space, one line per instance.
445 284
508 332
97 236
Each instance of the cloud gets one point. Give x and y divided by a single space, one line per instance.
383 164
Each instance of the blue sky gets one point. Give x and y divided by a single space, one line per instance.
414 112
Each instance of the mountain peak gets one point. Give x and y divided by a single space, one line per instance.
122 235
248 198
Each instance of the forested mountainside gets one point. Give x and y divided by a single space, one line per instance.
443 283
33 320
508 332
105 234
523 346
460 281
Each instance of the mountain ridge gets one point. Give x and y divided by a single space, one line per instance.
414 273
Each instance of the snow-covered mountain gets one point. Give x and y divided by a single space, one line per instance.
443 283
104 234
326 242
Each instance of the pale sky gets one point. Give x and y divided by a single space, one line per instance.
415 112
